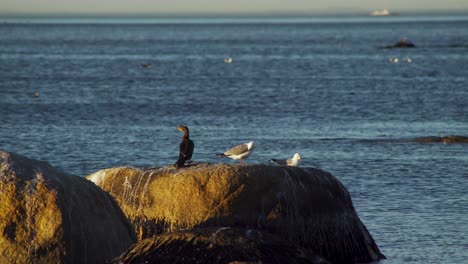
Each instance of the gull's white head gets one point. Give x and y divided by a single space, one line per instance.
250 145
297 156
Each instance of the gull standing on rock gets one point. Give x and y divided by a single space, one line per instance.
185 148
294 161
238 152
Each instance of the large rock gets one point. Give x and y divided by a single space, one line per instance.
47 216
304 206
446 139
217 245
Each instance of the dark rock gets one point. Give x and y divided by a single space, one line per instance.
403 43
447 139
306 207
217 245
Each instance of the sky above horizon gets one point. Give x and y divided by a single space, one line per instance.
225 6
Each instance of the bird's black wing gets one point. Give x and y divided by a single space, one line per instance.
191 147
183 149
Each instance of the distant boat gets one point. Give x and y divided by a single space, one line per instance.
228 60
383 12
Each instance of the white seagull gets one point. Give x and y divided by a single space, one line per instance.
408 60
294 161
238 152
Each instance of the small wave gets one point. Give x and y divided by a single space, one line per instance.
450 46
360 139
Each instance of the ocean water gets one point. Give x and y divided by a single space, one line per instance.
321 87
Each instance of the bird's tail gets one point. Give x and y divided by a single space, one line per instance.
220 155
273 161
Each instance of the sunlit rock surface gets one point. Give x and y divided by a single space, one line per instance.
47 216
447 139
217 245
306 207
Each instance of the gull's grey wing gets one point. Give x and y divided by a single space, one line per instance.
237 150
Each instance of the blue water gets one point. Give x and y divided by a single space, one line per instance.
320 87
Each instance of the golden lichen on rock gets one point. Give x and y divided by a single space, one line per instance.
47 216
177 198
30 220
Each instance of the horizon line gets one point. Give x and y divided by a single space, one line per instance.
354 12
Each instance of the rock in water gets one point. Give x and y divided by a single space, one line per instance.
402 43
306 207
447 139
47 216
217 245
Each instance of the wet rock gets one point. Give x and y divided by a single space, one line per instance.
47 216
217 245
306 207
446 139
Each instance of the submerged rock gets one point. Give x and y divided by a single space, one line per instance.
217 245
446 139
303 206
47 216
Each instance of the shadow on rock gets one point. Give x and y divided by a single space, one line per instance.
217 245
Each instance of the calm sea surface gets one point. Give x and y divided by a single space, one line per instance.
321 87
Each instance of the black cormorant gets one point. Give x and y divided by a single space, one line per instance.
185 148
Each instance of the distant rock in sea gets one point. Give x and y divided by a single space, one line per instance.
447 139
47 216
217 245
305 207
403 43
